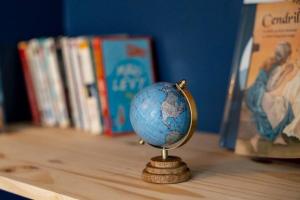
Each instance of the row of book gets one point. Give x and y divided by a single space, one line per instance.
85 82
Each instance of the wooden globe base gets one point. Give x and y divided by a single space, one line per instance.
170 170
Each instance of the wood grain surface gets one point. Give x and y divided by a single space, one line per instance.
52 163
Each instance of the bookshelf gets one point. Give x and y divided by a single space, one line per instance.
52 163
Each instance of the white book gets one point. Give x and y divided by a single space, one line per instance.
47 83
56 84
80 90
90 85
47 80
74 101
41 83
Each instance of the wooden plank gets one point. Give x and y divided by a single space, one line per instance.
52 163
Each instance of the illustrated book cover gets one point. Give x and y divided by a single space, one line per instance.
123 66
269 122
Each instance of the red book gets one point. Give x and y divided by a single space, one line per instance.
36 117
102 89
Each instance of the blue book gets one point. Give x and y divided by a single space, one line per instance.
127 68
231 118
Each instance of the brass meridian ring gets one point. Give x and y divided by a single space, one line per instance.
181 86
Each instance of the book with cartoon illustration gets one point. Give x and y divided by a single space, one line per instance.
124 67
269 124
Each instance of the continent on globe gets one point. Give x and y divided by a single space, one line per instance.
171 106
173 137
160 114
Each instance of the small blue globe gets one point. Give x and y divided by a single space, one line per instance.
160 114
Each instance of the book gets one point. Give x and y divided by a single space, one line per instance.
52 71
40 82
70 81
86 82
63 74
270 106
124 66
100 75
91 95
35 112
240 64
79 85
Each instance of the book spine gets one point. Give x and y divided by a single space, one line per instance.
41 83
79 85
102 89
47 73
62 72
47 84
95 90
89 82
58 97
74 103
29 84
31 50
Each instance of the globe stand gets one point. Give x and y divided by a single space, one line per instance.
166 169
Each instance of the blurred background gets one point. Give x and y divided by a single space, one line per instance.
193 39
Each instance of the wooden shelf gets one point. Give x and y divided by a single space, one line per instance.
51 163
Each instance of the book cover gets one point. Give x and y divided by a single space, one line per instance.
126 68
270 112
35 113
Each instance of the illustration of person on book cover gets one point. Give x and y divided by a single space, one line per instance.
270 117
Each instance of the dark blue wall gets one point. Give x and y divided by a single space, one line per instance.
194 40
22 20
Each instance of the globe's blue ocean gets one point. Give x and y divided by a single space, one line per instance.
160 114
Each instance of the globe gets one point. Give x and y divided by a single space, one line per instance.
160 114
